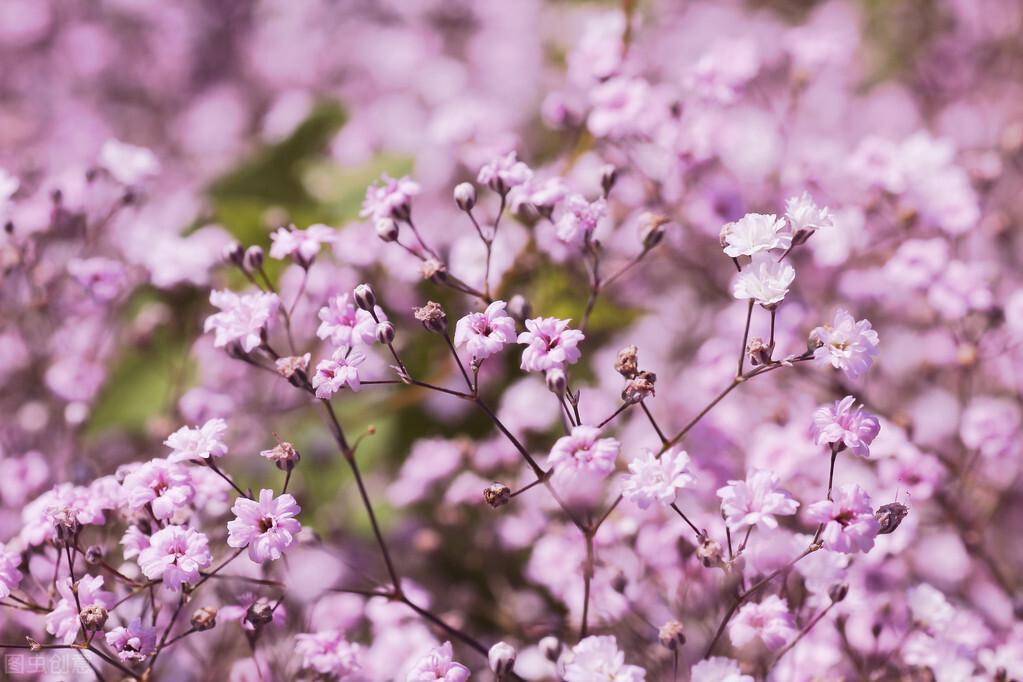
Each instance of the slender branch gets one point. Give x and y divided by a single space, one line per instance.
745 339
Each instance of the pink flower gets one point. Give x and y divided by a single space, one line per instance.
929 607
10 576
718 669
583 452
133 541
160 483
485 334
346 325
177 555
329 653
302 245
549 343
389 198
127 163
653 479
755 501
753 233
267 527
132 643
805 217
341 369
578 219
598 658
991 426
504 172
846 344
194 444
764 280
769 620
104 278
64 502
543 195
242 318
437 666
841 425
64 622
620 107
849 523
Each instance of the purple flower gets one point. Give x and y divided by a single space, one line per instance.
10 576
177 555
653 479
267 527
849 523
64 621
755 501
160 483
438 666
769 620
578 219
504 172
484 334
583 452
841 425
195 444
242 318
341 369
132 643
389 198
598 658
346 325
549 343
329 653
302 245
846 344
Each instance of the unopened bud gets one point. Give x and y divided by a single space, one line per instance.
234 254
501 658
519 307
433 317
365 298
387 229
619 582
627 362
651 229
204 618
497 494
608 178
672 635
838 592
759 351
93 617
889 516
385 333
550 647
254 257
465 196
94 554
557 382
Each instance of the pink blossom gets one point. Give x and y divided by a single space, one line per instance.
597 658
176 555
64 622
160 483
657 479
765 280
718 669
341 369
132 643
195 444
805 216
755 501
549 343
543 195
346 325
267 527
242 318
104 278
769 620
578 219
10 576
753 233
504 172
619 107
65 501
389 198
485 334
133 541
991 426
127 163
929 607
438 666
849 523
583 452
846 344
329 653
302 245
841 426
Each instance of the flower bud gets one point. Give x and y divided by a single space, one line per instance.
259 614
93 617
254 257
385 333
94 554
608 178
709 552
651 229
550 647
497 494
433 270
619 582
502 658
889 516
433 317
204 618
365 298
672 635
387 229
234 254
465 196
518 307
557 382
838 592
627 362
759 351
67 526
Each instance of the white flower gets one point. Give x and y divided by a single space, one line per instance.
846 344
197 443
8 185
754 233
764 280
718 669
805 216
598 659
929 607
653 479
128 163
755 501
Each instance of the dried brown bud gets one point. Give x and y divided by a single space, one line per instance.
93 617
433 270
640 388
433 317
651 229
497 494
287 367
66 524
709 552
259 614
284 456
759 351
627 362
889 516
672 635
204 618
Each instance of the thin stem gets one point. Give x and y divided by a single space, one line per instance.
653 422
831 472
745 339
802 633
458 361
587 579
621 408
212 465
699 533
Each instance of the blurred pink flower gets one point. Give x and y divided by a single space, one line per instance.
849 523
267 526
438 666
769 620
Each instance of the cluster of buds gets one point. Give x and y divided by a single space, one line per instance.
639 384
